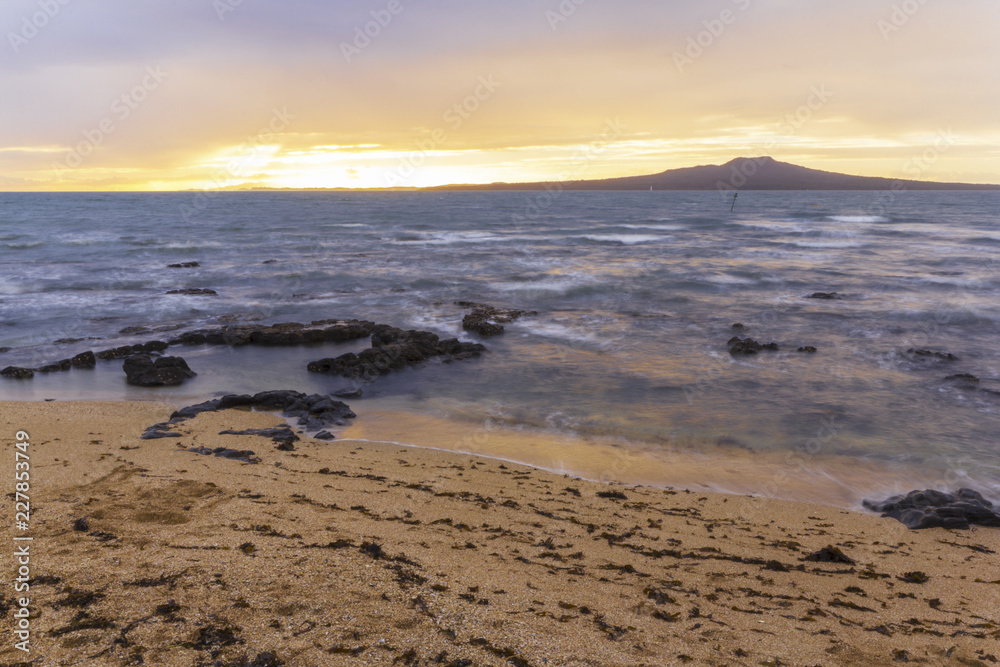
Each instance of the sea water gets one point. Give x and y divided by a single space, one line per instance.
636 295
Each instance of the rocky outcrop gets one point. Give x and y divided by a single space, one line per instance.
936 509
314 411
141 370
487 320
747 346
393 349
809 349
184 265
286 334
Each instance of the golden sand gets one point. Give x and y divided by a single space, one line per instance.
362 553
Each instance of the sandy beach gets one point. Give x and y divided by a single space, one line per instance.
355 552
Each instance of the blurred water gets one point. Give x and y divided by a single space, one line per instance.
636 294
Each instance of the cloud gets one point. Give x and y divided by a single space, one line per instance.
753 63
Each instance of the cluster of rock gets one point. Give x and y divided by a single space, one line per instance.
394 349
314 412
487 320
391 349
746 346
82 360
937 509
740 346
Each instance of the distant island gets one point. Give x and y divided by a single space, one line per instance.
761 173
742 173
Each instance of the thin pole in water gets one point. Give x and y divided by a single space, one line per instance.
735 195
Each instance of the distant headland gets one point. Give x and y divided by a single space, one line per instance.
760 173
757 173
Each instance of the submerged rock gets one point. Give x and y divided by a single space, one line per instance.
746 346
129 350
487 320
17 373
143 371
184 265
194 291
56 367
808 349
932 355
937 509
824 295
84 360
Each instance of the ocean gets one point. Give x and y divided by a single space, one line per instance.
624 373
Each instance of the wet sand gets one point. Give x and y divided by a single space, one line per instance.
356 552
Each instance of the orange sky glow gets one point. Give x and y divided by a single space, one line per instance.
110 95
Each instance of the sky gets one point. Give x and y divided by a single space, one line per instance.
141 95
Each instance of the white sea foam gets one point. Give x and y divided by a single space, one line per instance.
624 239
857 218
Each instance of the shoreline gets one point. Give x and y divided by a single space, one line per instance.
351 552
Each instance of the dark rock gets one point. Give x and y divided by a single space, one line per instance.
929 354
824 295
315 412
4 350
487 320
325 435
744 346
234 401
63 365
81 525
739 327
17 373
963 378
156 435
771 347
129 350
157 431
84 360
936 509
142 371
829 554
245 455
194 291
184 265
808 348
68 341
285 446
195 410
393 349
348 393
270 261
